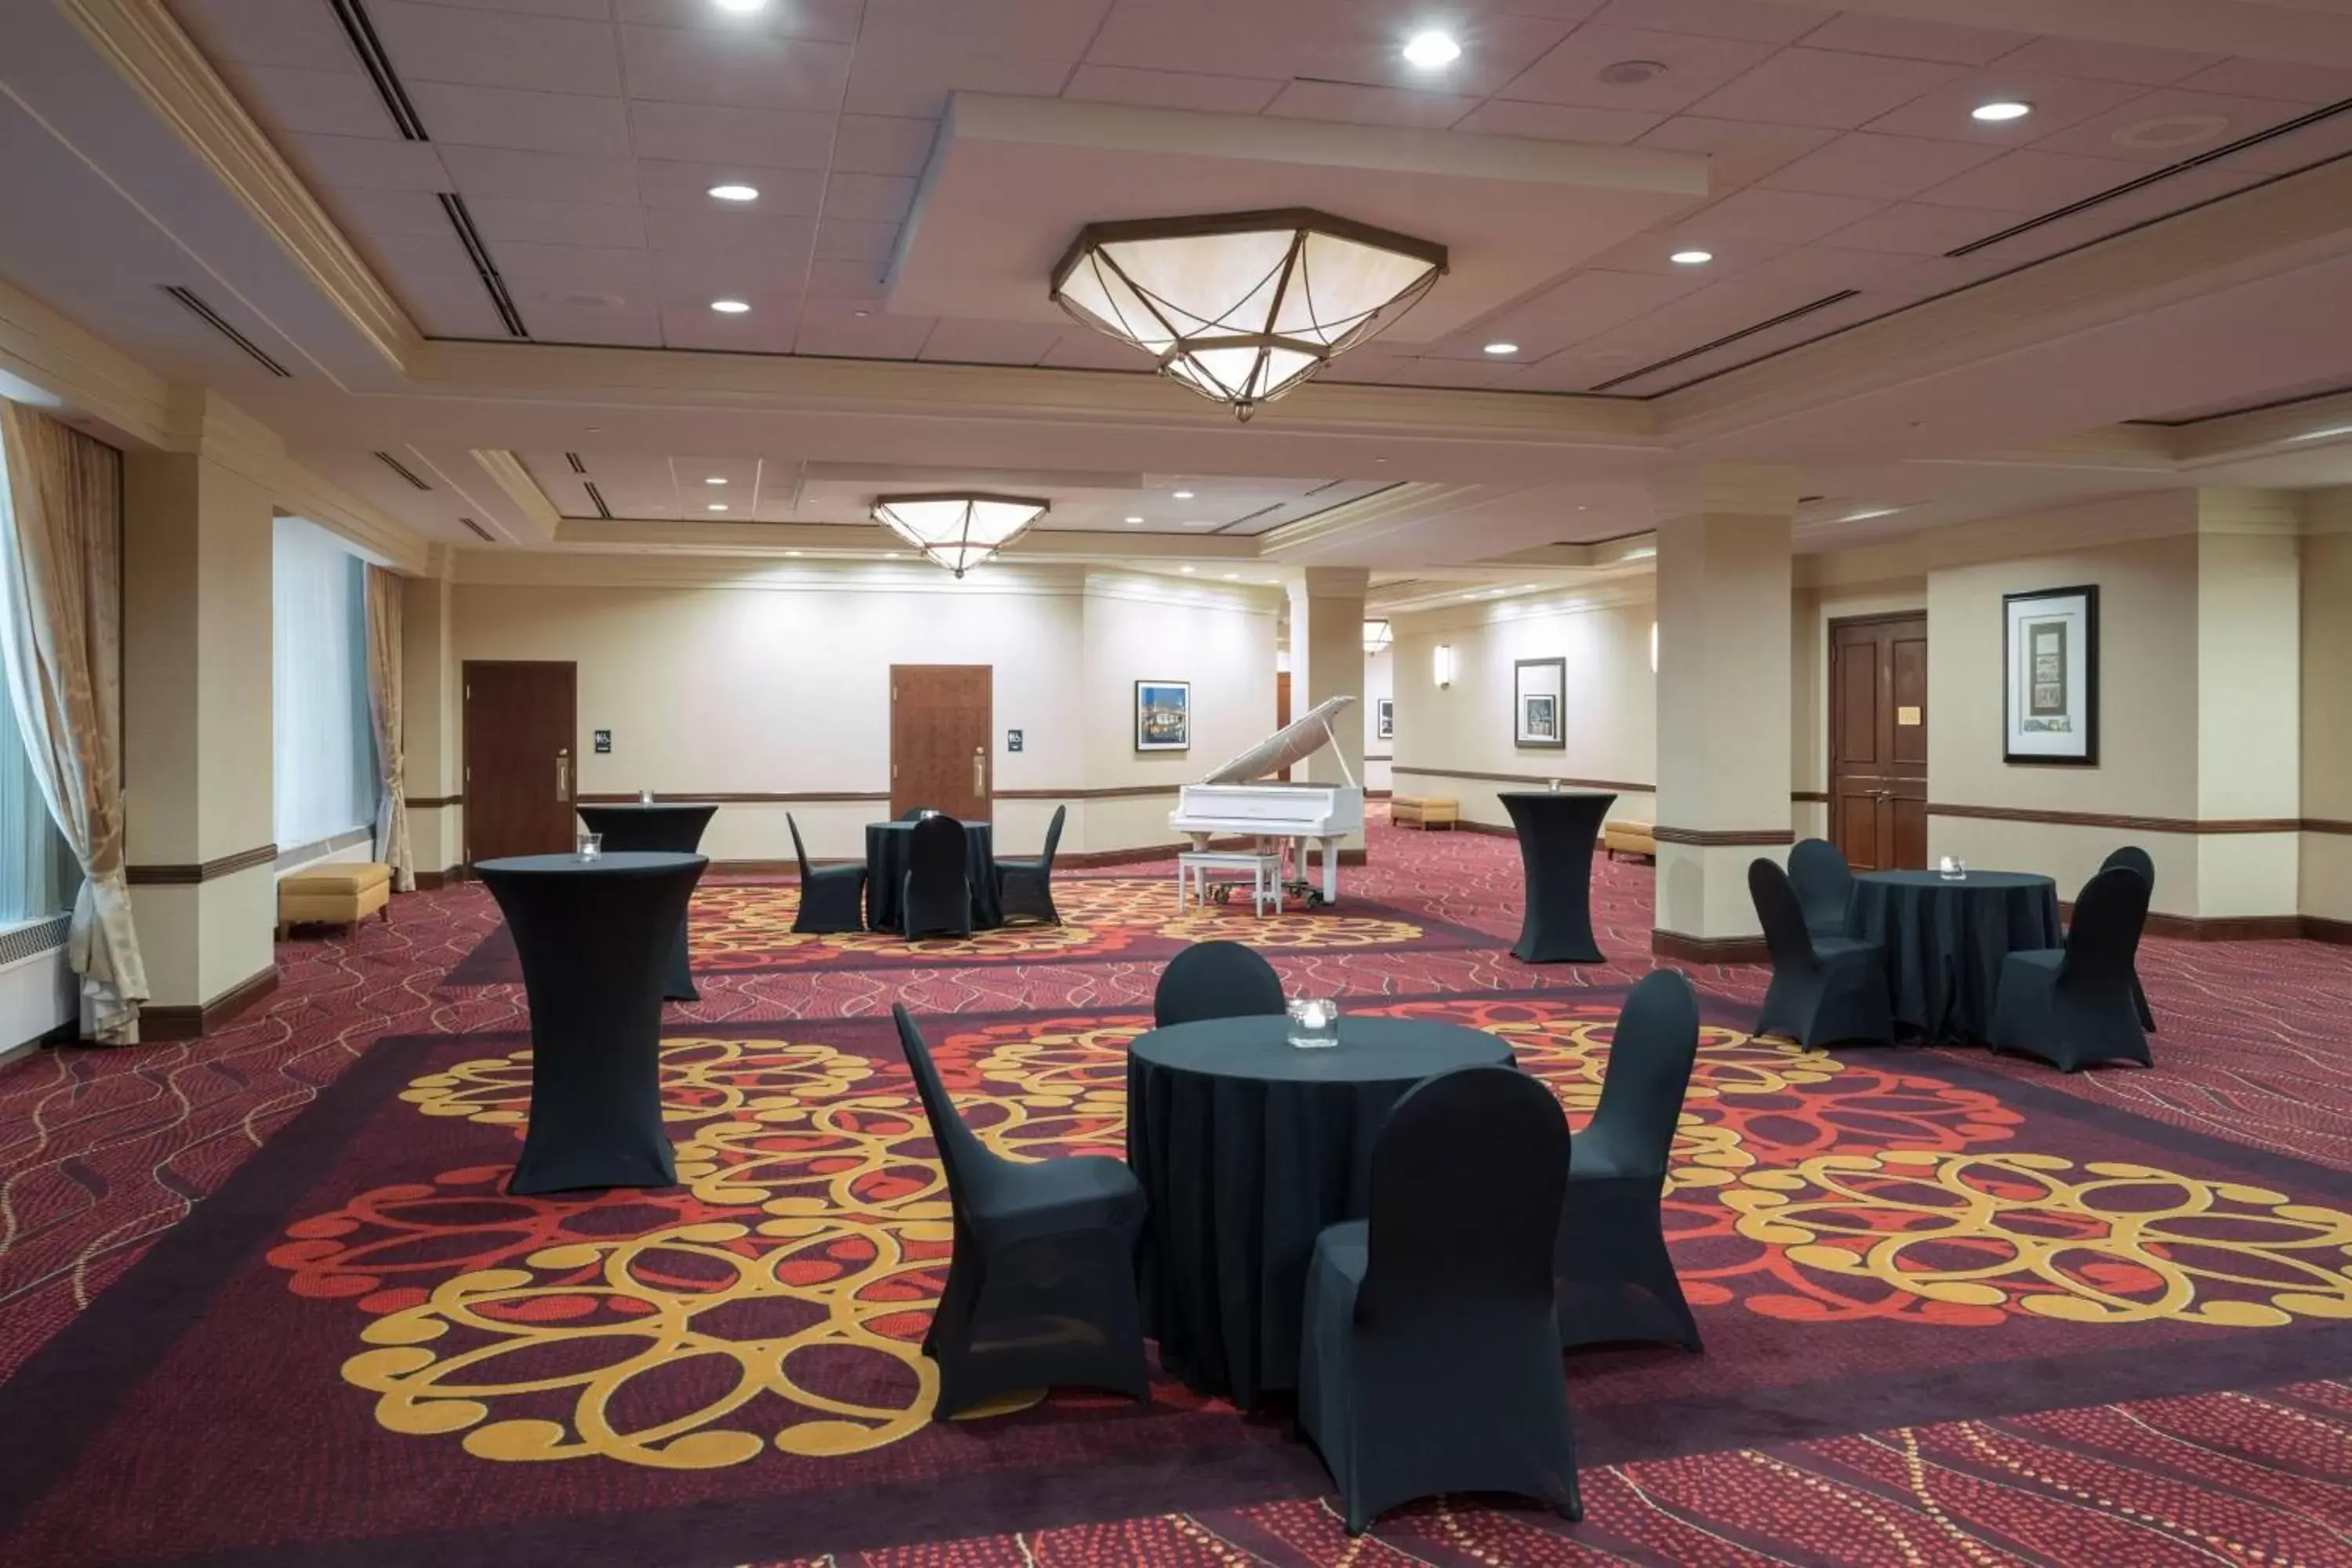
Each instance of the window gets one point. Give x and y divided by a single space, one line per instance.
325 773
38 873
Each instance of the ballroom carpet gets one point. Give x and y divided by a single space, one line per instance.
262 1300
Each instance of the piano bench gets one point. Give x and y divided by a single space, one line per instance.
1201 868
1424 811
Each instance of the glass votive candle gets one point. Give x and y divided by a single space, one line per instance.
1951 870
592 847
644 797
1314 1023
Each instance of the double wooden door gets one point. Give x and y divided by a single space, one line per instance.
941 716
522 767
1878 742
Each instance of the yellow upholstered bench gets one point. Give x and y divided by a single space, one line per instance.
1628 838
1424 811
342 895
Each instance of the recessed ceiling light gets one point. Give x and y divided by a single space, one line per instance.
729 307
2000 110
731 192
714 480
1869 512
740 7
861 315
1182 495
791 553
1502 348
1186 570
1691 258
716 506
1232 576
1133 520
1430 51
1633 73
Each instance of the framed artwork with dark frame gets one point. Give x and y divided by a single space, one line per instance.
1163 715
2049 677
1540 703
1384 719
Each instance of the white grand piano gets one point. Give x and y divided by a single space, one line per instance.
1243 797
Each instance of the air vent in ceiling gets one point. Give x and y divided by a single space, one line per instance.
478 530
1806 500
213 319
1824 303
598 497
389 461
577 466
1253 517
479 255
361 31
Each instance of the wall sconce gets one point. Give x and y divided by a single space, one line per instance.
1654 647
1445 669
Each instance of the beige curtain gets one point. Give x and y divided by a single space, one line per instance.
384 590
61 635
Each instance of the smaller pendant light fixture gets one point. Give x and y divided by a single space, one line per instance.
958 531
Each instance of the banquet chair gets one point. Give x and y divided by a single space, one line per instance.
1041 1280
1215 980
1027 887
1825 884
1429 1360
2134 857
832 897
1616 1280
2071 1005
1824 988
935 895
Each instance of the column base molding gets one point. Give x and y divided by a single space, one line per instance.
1721 838
428 881
189 1021
1683 949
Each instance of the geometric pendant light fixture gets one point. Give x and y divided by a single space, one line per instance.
958 530
1243 307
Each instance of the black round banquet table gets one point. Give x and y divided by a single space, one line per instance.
1944 941
596 937
1247 1147
1556 831
886 870
675 826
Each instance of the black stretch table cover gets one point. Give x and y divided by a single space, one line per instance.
595 938
1557 833
673 828
1944 941
886 870
1248 1147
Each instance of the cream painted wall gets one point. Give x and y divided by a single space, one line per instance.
1380 681
2326 866
754 679
1612 720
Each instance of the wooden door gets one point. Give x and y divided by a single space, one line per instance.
1878 742
940 719
521 757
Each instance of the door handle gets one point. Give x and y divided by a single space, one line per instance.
979 772
564 777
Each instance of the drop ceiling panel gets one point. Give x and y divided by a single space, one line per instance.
1822 86
296 33
498 49
539 176
546 223
1559 122
709 133
1370 105
2058 101
883 144
2285 80
1172 89
914 79
329 103
1696 67
2107 62
1761 21
2032 182
832 20
2170 124
530 122
1910 39
1738 153
1886 168
738 71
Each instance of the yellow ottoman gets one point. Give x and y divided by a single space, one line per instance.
341 895
1624 837
1423 810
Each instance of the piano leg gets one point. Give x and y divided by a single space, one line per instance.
1330 870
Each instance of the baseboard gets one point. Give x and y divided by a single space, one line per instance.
2320 928
2225 928
1378 794
189 1021
1683 949
428 881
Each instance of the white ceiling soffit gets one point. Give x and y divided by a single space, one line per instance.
1013 180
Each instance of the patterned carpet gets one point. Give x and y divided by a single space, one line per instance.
262 1301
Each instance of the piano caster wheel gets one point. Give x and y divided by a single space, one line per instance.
1223 892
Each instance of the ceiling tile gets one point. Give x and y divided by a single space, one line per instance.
594 269
990 343
842 240
491 48
2324 139
529 121
696 278
1914 228
1172 89
2170 125
436 280
1782 217
1369 105
332 103
2058 101
1045 29
831 19
1906 38
1590 301
781 239
1734 253
2102 61
2032 182
1824 87
747 70
783 193
1083 348
1559 121
1863 163
828 278
583 10
556 223
1761 21
1458 372
366 163
1329 40
842 328
762 138
540 176
883 144
300 34
1823 269
878 198
1738 153
369 211
915 82
2158 199
2280 79
1694 67
558 315
769 329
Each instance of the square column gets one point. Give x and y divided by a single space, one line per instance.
432 724
1725 592
1327 660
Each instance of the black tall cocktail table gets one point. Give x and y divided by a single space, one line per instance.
672 827
1556 832
594 937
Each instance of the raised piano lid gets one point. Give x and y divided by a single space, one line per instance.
1294 742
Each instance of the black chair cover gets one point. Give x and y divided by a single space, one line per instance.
2071 1005
1027 887
2134 857
669 827
1431 1355
830 895
937 893
1825 884
1823 988
1041 1283
1215 980
1617 1281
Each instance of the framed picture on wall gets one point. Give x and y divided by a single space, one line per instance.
1384 719
1539 702
2051 676
1163 715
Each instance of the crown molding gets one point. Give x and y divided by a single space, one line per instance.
1727 489
507 470
1399 506
2290 427
844 540
2268 513
150 51
72 374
